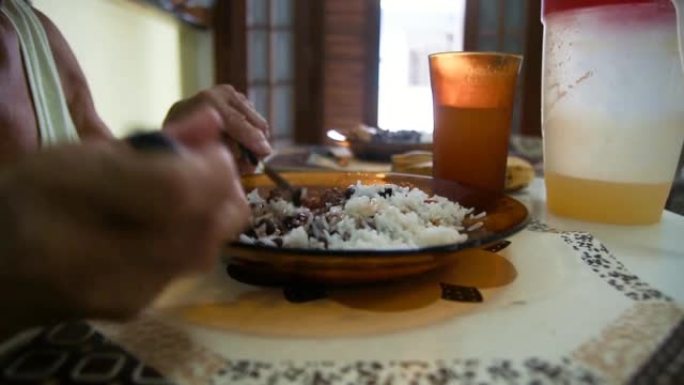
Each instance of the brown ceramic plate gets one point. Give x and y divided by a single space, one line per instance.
263 264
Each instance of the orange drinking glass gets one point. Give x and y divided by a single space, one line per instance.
473 94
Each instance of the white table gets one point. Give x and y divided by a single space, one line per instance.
552 314
566 302
655 253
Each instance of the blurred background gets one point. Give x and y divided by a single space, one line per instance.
308 65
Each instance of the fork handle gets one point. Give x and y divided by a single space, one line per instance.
249 155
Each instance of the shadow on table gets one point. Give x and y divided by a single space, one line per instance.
377 309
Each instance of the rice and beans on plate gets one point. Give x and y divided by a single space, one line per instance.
361 217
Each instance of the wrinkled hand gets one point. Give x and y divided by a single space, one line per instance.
97 230
239 120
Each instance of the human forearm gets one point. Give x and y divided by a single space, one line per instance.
24 302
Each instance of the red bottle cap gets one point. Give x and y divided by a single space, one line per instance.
551 6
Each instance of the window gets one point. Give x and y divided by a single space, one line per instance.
501 25
410 31
270 62
347 62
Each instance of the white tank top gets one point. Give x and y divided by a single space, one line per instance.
52 113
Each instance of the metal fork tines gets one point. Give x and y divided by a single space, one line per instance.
290 192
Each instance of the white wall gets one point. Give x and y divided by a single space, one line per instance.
132 56
197 59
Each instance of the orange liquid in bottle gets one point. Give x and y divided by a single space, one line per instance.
606 202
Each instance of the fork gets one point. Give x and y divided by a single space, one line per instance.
290 192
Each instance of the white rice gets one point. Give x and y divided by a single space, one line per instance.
371 218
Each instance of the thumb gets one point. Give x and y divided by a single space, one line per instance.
200 128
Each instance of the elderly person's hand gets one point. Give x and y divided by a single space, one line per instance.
97 230
240 122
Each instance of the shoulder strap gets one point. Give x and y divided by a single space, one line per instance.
52 112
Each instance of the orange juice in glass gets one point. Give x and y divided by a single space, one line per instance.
473 94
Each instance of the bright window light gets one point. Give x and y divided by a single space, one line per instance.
410 30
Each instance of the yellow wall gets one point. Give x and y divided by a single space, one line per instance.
138 59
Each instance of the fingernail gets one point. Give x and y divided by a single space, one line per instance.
263 147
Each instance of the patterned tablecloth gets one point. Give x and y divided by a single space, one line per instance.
559 303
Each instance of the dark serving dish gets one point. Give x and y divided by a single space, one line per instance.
505 216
